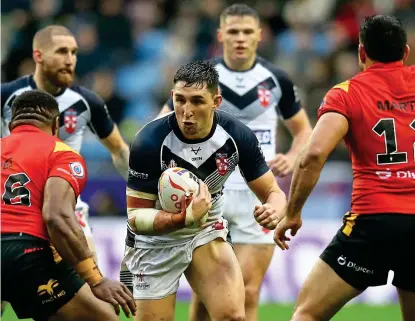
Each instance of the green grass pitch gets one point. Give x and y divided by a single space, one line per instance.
273 312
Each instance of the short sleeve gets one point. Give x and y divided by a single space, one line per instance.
8 95
252 163
70 166
336 101
101 122
144 169
290 103
6 91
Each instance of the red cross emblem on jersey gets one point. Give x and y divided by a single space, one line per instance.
264 96
222 163
69 120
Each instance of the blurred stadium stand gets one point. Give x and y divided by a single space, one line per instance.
130 49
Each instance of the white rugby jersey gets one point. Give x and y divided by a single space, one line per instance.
257 97
79 107
160 144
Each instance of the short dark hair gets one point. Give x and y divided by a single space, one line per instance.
34 107
384 38
199 73
239 9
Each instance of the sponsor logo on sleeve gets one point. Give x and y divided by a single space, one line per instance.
77 169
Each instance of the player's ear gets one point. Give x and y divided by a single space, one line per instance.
219 35
37 56
362 54
406 53
55 127
217 100
260 31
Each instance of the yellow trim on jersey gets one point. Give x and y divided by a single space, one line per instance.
146 196
343 86
350 221
62 147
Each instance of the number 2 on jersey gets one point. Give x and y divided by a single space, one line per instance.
386 127
15 192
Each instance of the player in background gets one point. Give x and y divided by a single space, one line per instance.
257 93
161 246
41 179
54 52
374 112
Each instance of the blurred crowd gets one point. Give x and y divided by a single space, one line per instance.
130 49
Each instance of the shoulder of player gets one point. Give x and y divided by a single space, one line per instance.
60 147
16 84
92 98
278 73
8 88
233 126
152 134
216 60
346 87
53 147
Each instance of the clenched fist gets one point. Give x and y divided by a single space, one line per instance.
267 216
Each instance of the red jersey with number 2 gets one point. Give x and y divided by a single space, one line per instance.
29 157
379 104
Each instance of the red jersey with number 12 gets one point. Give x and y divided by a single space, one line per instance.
379 104
29 157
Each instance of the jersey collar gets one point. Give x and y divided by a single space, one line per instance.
26 128
34 86
388 65
179 134
222 60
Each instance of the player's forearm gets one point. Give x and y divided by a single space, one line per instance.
155 222
67 236
306 174
298 143
276 198
69 240
120 161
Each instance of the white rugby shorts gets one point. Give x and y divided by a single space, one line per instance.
82 215
154 273
239 212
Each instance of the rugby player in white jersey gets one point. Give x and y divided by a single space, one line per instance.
258 94
162 246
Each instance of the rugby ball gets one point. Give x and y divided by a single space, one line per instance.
174 183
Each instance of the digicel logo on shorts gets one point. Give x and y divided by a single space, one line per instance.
342 260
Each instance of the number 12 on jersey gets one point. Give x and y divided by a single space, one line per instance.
386 127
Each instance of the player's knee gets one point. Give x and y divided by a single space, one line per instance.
236 317
251 296
302 314
231 315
